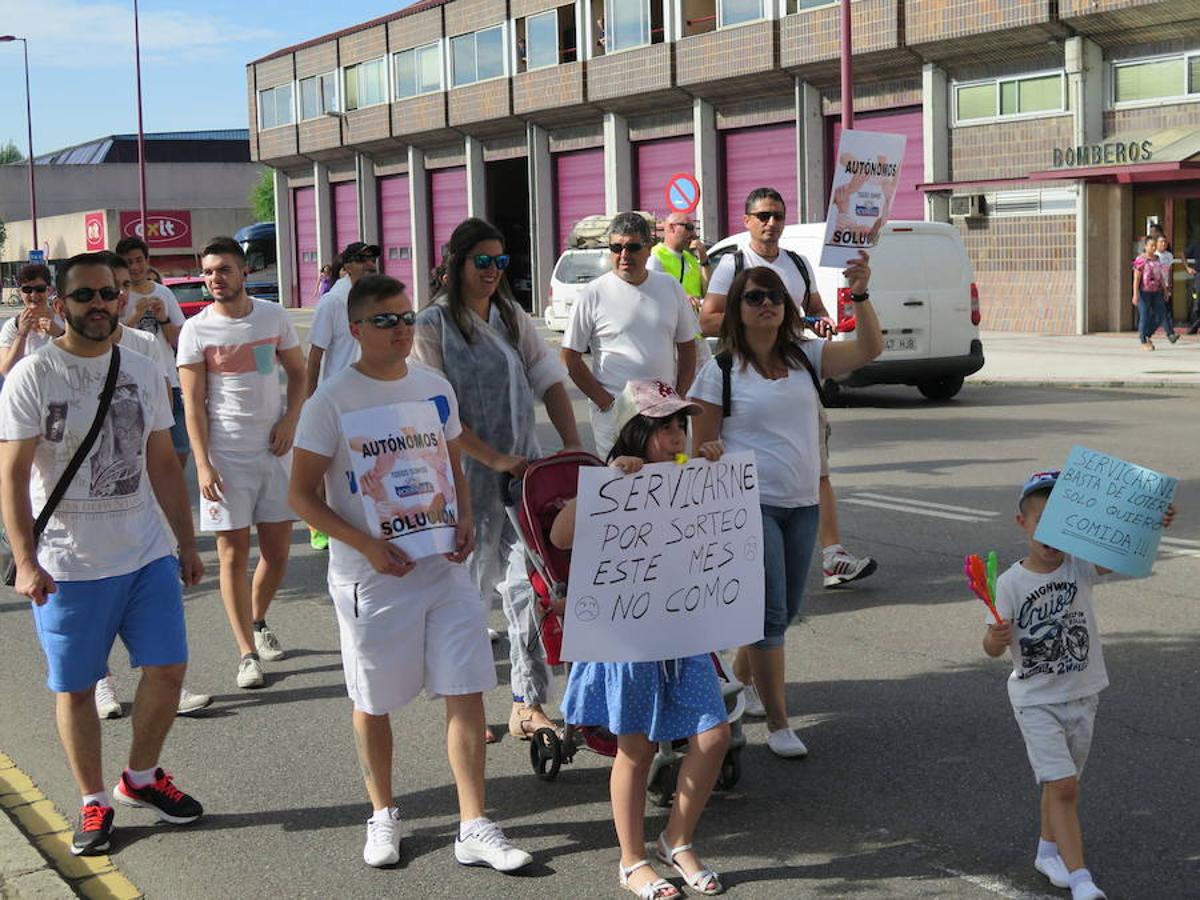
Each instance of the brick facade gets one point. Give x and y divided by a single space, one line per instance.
320 134
546 89
1007 149
480 102
273 72
363 46
715 62
624 75
674 123
759 111
524 8
579 137
415 30
417 115
464 16
445 157
814 35
1151 118
361 126
935 21
317 60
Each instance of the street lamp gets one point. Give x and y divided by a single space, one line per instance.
4 39
137 64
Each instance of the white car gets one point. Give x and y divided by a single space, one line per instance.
574 269
923 290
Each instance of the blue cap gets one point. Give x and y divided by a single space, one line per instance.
1038 481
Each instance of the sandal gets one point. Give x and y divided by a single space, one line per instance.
651 890
522 723
706 881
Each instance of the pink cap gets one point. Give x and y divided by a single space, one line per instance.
655 399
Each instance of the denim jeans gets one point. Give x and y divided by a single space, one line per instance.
789 541
1152 313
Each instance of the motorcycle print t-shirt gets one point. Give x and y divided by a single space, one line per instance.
1055 645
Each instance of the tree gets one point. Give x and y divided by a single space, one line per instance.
10 154
262 197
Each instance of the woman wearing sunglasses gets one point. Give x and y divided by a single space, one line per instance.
36 325
489 350
773 410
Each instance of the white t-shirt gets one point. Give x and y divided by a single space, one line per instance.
331 330
108 523
778 420
244 399
722 276
149 323
632 330
1055 647
136 340
320 431
35 340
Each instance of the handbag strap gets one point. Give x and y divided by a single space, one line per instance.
64 482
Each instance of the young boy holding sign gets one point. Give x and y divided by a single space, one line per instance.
1047 624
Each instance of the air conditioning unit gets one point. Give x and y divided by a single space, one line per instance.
968 206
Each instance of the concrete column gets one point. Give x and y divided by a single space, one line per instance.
368 199
418 206
707 166
541 215
476 179
285 240
810 153
1084 64
324 199
935 132
618 165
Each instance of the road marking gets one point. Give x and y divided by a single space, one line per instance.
965 510
915 510
1181 542
991 885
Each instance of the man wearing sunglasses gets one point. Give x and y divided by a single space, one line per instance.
36 325
682 255
637 324
105 565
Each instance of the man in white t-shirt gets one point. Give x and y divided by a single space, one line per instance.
405 624
229 360
764 219
36 325
331 346
154 309
104 565
635 323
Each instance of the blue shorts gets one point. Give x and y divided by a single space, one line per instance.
78 624
179 435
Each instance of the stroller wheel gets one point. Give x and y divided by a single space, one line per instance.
661 789
545 753
731 770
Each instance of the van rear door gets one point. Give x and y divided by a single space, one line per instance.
900 295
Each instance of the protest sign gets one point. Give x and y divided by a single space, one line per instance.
404 477
1107 511
864 184
667 562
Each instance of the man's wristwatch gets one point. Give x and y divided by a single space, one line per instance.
859 298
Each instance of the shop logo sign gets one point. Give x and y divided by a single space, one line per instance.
169 228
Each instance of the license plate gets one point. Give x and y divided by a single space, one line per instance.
905 342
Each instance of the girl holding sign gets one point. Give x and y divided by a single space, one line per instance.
762 394
643 703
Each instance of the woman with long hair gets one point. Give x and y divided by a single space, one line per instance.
489 350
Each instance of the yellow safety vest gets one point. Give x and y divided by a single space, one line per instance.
685 270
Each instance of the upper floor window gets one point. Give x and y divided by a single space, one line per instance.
1161 78
318 95
418 71
478 56
738 12
1001 98
547 39
631 23
275 107
366 84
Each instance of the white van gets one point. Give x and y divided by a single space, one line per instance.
923 290
574 269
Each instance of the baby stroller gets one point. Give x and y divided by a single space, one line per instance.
547 485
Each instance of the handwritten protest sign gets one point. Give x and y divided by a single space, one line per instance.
667 562
1107 511
403 470
864 184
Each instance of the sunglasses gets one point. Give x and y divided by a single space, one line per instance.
757 297
28 289
686 226
632 247
767 215
85 294
389 320
485 261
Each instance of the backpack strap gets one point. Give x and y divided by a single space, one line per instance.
725 364
739 261
798 261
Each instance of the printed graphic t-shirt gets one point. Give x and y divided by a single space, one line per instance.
320 431
244 398
108 523
149 323
1055 648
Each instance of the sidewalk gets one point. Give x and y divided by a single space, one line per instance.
1102 360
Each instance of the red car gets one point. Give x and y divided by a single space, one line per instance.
191 292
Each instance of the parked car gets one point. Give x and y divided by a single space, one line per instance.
258 241
923 290
574 269
191 292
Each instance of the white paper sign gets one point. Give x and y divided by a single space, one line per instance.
864 184
403 470
667 562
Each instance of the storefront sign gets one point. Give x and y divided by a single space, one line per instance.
93 225
1110 153
164 228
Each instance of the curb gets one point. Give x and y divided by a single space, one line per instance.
35 849
1086 382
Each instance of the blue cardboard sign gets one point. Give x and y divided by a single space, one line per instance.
1107 511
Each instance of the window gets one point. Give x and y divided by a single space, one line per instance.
478 56
1010 97
418 71
318 95
1166 77
738 12
541 40
628 24
366 84
275 107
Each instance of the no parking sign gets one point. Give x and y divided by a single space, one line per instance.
683 193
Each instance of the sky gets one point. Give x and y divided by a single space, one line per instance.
81 68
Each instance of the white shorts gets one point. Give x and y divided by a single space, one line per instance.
425 630
255 491
1058 736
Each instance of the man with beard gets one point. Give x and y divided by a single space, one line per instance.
229 358
103 565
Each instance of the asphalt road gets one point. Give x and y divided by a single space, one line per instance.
917 783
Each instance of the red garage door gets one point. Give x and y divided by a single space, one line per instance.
654 162
758 157
447 207
909 202
395 228
345 214
578 190
304 223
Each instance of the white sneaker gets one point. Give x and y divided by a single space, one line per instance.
190 703
267 645
786 743
383 839
107 704
1055 869
754 706
486 845
1087 890
250 673
839 567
